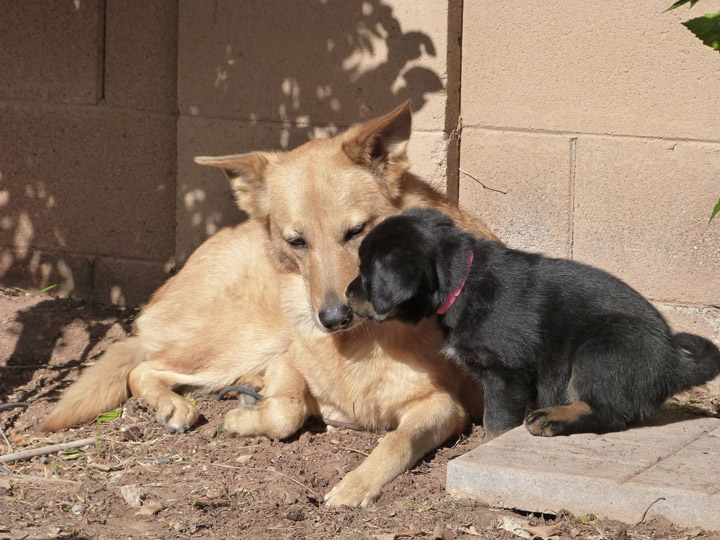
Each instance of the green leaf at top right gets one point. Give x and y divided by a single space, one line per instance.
715 211
707 29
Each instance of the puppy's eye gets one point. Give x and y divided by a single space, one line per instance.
297 242
354 232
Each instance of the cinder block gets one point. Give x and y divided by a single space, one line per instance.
141 54
92 181
315 62
428 154
704 321
641 212
52 50
126 282
35 270
611 68
665 469
535 171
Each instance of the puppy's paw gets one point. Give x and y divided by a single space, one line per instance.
353 490
561 420
543 423
176 414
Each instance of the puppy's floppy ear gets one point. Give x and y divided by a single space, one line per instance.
246 174
394 281
381 145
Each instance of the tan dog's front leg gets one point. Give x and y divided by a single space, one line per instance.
286 405
423 427
152 380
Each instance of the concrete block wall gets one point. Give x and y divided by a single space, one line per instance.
88 119
104 104
600 122
271 74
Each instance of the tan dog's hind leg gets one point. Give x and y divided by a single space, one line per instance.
426 425
286 405
150 382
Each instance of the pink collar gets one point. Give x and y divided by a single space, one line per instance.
451 299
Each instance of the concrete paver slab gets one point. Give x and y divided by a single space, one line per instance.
668 468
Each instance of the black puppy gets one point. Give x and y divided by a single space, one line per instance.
589 351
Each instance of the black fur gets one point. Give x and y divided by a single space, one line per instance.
582 346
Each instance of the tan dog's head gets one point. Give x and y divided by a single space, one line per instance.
319 200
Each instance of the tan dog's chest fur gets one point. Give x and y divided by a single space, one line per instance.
267 297
377 378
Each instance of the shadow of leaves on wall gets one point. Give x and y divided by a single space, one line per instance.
272 75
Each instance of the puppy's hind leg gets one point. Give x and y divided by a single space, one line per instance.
612 385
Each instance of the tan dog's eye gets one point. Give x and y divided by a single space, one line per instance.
297 242
354 232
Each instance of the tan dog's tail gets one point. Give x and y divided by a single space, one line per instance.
100 388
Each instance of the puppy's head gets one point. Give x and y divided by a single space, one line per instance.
403 263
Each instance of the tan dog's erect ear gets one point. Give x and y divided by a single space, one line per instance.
246 173
381 145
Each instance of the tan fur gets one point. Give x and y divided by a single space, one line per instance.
247 303
120 358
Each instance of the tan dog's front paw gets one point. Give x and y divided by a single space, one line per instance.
236 422
353 490
176 414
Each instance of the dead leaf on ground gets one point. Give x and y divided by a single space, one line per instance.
541 531
471 530
515 526
149 510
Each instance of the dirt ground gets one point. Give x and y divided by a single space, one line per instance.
137 481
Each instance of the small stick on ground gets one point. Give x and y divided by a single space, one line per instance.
6 406
272 469
44 451
642 519
42 480
109 468
354 450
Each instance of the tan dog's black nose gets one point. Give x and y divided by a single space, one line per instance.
335 317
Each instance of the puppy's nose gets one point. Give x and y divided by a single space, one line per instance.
335 317
353 288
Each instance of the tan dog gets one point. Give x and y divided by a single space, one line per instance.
268 297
